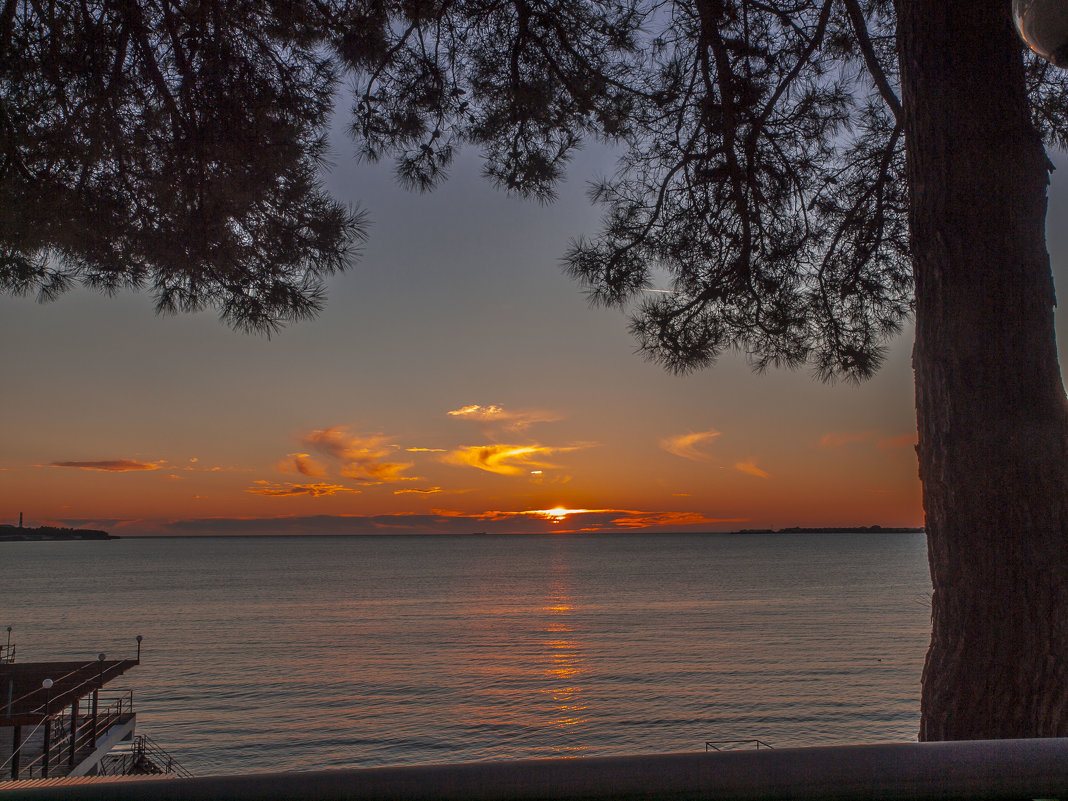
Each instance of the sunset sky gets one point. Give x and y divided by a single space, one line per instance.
457 381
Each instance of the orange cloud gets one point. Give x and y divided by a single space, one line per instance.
505 460
751 469
511 421
372 472
362 458
109 465
648 519
686 445
428 491
901 441
477 412
836 439
425 450
289 490
301 463
560 512
590 520
444 521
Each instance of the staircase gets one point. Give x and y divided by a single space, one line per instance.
143 756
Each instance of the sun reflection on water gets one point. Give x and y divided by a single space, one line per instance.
566 662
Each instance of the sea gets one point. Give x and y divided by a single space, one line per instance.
301 653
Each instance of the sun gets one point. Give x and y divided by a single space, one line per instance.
556 515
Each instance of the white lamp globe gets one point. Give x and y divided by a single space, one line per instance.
1043 25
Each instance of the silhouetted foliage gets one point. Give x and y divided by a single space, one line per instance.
177 145
765 186
760 200
524 81
171 145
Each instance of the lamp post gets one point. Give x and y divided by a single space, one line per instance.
96 698
139 638
47 684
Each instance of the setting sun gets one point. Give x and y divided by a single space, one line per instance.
556 514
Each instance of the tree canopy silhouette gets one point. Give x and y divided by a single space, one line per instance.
170 145
797 178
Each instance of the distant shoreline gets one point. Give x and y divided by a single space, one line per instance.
875 529
9 533
49 533
830 530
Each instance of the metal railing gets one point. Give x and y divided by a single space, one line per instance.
112 708
732 745
142 756
989 770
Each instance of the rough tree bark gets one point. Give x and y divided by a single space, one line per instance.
991 408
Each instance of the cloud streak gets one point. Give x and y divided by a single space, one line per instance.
604 520
751 469
836 439
505 460
108 465
688 445
289 490
442 521
493 415
898 442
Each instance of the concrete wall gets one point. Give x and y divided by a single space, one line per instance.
996 769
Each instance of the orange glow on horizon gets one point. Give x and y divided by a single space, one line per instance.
559 513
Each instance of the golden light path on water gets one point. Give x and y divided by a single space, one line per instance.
566 660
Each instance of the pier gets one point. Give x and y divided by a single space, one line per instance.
57 719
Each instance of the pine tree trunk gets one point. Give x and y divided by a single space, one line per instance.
991 408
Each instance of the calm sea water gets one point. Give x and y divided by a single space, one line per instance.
299 653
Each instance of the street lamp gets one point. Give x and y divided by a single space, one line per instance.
96 697
47 684
1043 25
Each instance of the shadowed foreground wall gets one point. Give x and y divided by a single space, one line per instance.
977 770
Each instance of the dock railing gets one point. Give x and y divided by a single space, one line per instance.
980 770
142 756
112 707
733 745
